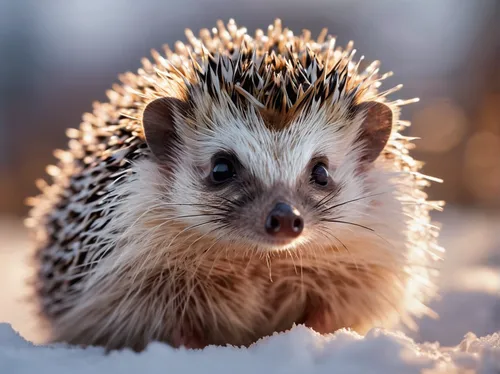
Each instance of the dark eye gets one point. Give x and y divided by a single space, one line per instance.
222 171
319 174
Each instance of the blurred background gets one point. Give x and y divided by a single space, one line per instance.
58 56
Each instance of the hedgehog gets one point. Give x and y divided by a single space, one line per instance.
231 188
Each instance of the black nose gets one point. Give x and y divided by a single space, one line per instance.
284 221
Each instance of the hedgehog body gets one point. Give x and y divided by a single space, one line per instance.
156 223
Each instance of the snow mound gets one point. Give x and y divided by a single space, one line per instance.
299 350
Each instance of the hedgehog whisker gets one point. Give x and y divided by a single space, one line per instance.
351 201
125 232
197 215
152 209
268 263
170 219
327 233
332 195
347 223
365 214
289 252
337 220
232 202
198 205
90 263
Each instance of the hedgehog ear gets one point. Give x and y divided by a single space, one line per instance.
375 129
158 121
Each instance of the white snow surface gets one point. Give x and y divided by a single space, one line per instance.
465 339
299 350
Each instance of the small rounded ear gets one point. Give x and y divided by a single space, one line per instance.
158 121
375 129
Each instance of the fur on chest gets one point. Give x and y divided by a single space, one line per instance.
225 300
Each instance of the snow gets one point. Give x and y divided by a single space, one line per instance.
465 339
299 350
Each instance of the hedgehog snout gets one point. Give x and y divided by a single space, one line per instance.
284 221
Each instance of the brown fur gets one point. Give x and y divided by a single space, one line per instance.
226 299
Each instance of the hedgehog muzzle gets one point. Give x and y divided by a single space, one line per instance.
284 221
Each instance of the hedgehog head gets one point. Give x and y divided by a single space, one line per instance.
270 144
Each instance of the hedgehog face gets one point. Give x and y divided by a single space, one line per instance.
236 177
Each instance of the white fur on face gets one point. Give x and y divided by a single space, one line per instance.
281 158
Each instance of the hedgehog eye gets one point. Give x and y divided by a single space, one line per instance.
320 174
223 170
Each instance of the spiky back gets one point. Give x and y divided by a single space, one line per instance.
279 73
